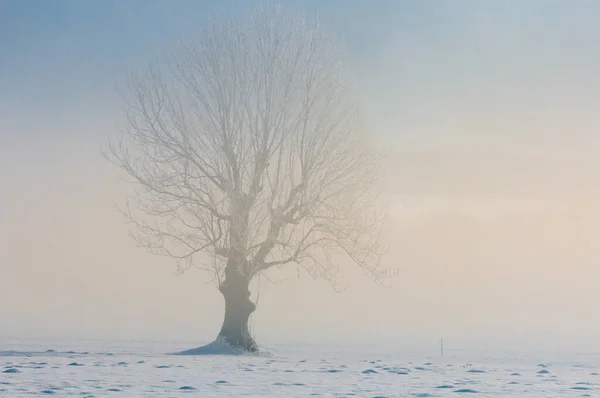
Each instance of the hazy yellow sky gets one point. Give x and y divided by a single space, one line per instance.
489 111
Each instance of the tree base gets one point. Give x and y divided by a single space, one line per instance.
221 347
244 342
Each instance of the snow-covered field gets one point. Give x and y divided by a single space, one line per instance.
145 370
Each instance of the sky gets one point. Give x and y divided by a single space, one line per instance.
488 113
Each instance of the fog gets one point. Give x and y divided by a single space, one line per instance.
488 114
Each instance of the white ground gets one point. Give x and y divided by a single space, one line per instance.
143 370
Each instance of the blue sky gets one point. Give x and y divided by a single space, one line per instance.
56 54
411 57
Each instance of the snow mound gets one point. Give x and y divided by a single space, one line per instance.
219 347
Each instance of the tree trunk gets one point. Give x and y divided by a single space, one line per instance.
238 308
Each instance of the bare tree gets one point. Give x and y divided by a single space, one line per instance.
249 156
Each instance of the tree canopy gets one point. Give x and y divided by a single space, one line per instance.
246 144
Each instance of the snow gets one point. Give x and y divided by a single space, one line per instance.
101 369
217 347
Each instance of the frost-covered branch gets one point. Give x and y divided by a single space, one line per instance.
246 147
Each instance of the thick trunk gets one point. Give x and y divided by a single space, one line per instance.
238 308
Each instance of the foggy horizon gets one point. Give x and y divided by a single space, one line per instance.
487 113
